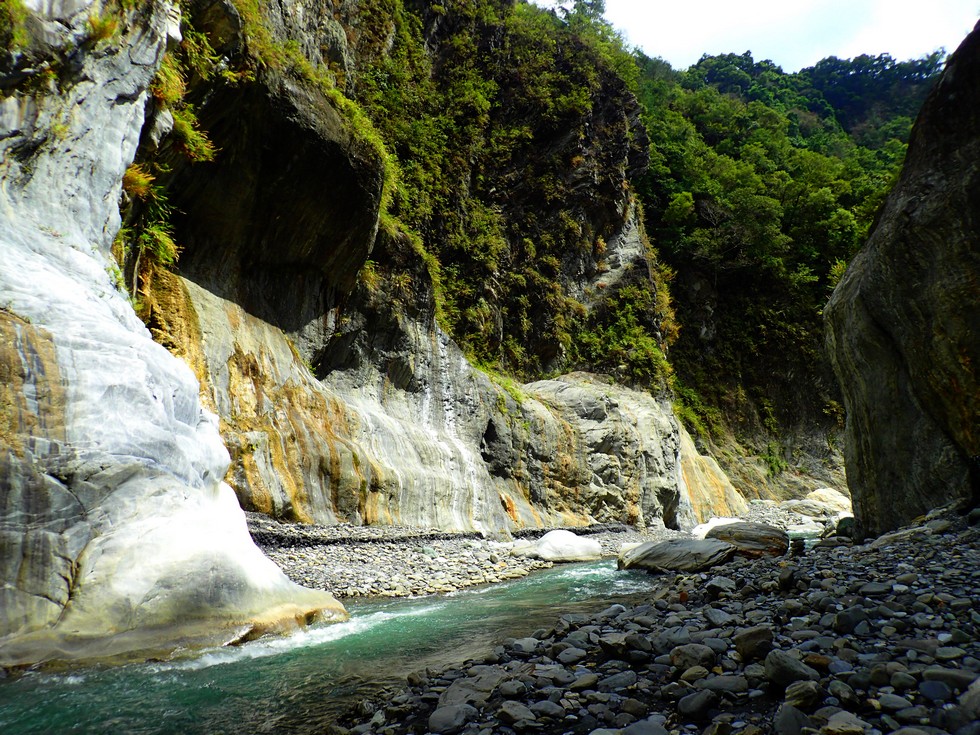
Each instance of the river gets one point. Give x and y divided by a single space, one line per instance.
299 684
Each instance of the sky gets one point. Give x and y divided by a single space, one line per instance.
792 33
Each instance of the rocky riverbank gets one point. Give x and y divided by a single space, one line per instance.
359 561
875 638
400 561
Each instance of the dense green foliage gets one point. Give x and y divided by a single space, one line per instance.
757 196
487 106
513 153
761 186
12 31
874 97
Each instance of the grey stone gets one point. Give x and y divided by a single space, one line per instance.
692 654
547 708
474 689
527 645
696 706
843 691
958 678
679 555
902 681
451 719
782 669
875 589
969 702
717 586
949 653
717 618
586 681
847 620
893 702
726 683
512 689
788 720
511 712
936 691
617 682
752 539
845 723
908 440
572 655
803 694
754 643
649 726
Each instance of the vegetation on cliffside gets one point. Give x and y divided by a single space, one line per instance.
762 186
516 133
518 142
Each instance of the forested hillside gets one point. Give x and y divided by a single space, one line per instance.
762 186
518 141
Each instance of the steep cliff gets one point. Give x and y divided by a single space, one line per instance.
116 532
328 347
317 324
903 322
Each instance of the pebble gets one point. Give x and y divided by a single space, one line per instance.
401 561
750 658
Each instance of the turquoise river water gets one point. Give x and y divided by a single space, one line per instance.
299 684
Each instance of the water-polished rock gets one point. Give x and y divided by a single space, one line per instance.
692 654
677 555
752 539
754 643
911 387
821 503
451 719
511 712
565 546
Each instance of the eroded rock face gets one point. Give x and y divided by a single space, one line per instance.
341 399
409 433
752 540
903 323
116 531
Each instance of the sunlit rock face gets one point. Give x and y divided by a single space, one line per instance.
903 322
116 529
705 485
408 432
339 401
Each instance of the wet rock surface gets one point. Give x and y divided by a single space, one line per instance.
843 639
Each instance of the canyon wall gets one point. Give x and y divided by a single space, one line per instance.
270 364
117 531
903 322
316 336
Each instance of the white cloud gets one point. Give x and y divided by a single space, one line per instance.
793 33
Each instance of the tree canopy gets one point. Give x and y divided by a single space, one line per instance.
762 186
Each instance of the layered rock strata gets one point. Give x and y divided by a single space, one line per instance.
116 531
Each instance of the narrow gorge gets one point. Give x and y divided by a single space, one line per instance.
387 264
338 400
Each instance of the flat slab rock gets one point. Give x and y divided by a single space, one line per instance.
677 555
752 539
